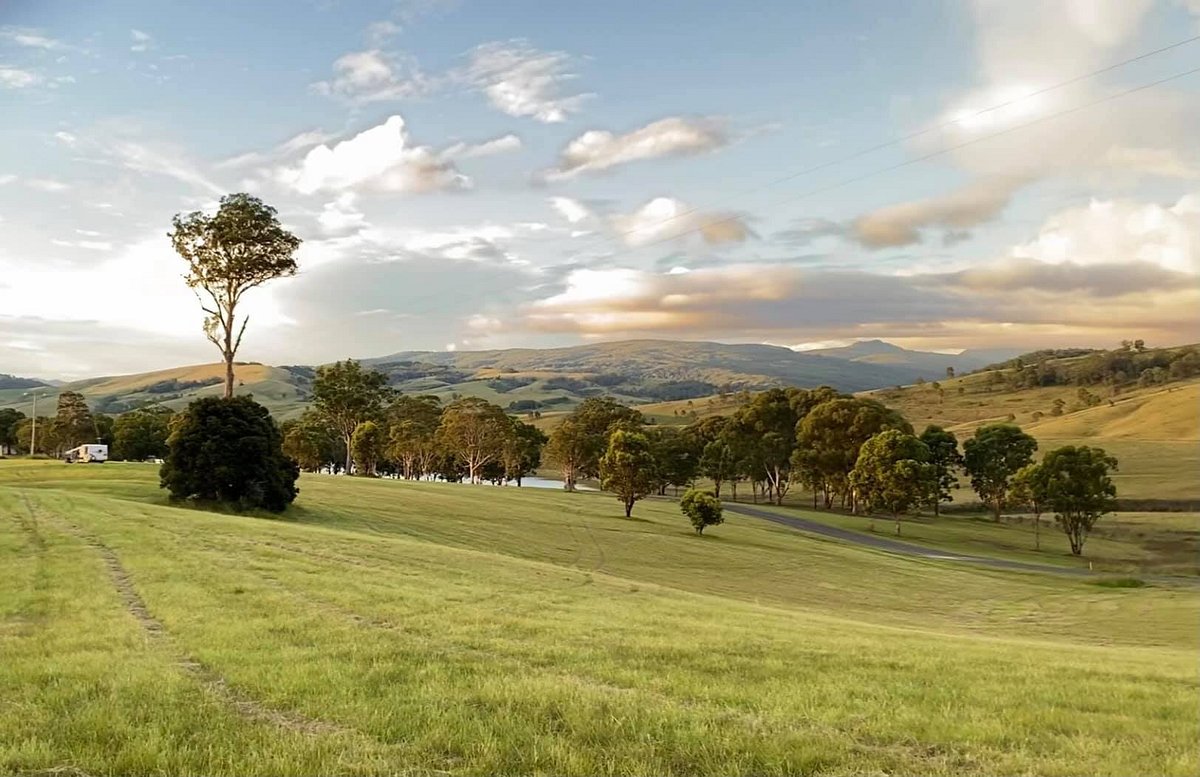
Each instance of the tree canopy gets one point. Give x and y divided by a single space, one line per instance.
992 457
240 247
627 468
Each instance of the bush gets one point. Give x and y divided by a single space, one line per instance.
229 450
702 508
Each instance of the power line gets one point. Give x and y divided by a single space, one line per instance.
925 157
905 138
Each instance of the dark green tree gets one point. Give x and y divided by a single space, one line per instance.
992 457
829 438
73 422
893 473
627 468
702 508
10 422
521 454
142 434
240 247
475 431
946 460
412 430
229 451
366 447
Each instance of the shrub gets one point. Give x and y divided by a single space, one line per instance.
702 508
229 450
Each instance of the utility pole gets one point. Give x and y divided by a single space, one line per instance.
33 429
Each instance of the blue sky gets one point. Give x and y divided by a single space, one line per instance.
478 175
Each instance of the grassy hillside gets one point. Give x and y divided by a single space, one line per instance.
395 627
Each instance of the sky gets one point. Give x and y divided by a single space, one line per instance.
476 175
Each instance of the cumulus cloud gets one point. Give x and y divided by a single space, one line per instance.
598 150
1097 280
901 224
523 81
1116 231
142 41
665 218
341 216
377 159
375 76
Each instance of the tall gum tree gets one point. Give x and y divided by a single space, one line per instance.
240 247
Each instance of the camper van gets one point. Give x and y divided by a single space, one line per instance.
87 454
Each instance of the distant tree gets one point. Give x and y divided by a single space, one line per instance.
627 468
474 430
366 447
577 443
949 372
831 435
240 247
946 460
702 508
992 457
718 464
103 425
1056 407
1027 490
521 453
142 434
676 456
413 424
10 422
1074 482
230 451
308 441
345 395
73 422
893 473
46 442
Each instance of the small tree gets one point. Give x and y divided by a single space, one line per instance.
521 453
627 468
718 464
893 473
366 445
10 422
1027 490
229 253
1075 484
945 458
702 508
229 450
992 457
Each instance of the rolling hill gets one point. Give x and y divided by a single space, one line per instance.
526 379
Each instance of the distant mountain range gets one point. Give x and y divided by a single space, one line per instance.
526 379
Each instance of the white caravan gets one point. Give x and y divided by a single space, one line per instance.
87 454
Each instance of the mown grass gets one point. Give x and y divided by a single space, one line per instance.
1149 543
480 630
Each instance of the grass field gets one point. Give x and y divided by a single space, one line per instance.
387 627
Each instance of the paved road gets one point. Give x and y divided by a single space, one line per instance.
896 546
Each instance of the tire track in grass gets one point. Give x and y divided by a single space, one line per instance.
213 682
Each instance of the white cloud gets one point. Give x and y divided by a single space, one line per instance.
47 185
66 138
381 32
16 78
523 81
341 215
141 41
1118 231
30 38
377 159
7 178
598 150
572 210
374 76
499 145
90 245
665 218
151 159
